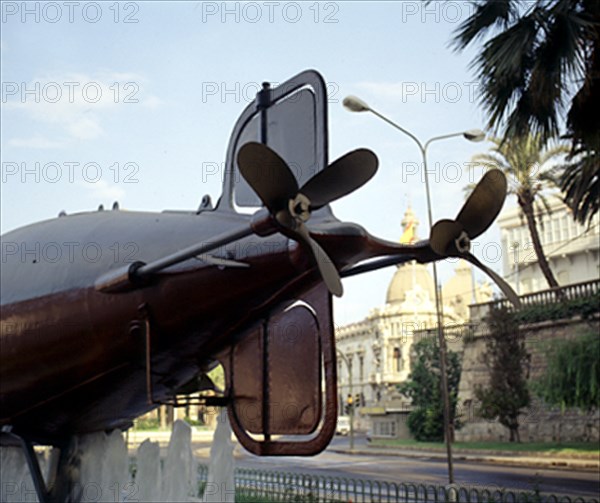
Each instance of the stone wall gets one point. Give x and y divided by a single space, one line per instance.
539 423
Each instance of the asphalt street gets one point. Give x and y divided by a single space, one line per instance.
425 469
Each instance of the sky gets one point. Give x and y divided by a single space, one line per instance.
135 101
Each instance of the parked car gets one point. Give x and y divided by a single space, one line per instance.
343 426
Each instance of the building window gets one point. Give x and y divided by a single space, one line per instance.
564 224
556 228
385 428
397 359
547 239
361 367
524 236
572 228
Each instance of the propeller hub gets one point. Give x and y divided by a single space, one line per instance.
299 207
463 242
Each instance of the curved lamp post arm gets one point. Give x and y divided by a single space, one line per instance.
400 128
442 137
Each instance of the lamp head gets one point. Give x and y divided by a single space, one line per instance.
355 104
475 135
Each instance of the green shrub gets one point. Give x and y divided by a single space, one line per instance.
572 375
585 307
150 423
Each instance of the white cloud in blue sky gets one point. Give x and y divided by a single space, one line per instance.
174 78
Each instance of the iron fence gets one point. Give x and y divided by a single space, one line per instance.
252 485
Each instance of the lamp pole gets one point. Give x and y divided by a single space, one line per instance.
349 366
355 104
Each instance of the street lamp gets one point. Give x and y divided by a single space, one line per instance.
349 366
355 104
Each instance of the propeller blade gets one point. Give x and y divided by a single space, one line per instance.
341 177
443 234
328 271
503 285
271 178
267 174
483 205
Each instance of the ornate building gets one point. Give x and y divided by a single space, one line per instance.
376 350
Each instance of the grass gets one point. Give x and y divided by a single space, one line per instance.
246 498
566 448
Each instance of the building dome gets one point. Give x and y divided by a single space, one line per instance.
408 277
458 290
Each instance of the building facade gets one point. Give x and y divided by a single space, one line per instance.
572 249
374 353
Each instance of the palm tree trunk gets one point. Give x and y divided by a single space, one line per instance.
526 205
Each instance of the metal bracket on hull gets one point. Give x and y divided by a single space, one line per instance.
43 494
60 486
145 324
144 310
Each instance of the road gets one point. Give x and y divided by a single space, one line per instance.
427 470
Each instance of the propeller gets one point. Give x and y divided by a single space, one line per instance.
479 212
290 206
502 284
453 237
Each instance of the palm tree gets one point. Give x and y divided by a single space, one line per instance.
543 54
525 161
580 182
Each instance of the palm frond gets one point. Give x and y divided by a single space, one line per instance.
490 160
487 15
504 66
554 152
529 67
580 182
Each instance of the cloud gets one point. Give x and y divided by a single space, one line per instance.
85 129
104 191
35 142
78 103
152 102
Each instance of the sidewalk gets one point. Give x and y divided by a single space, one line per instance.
531 459
202 441
136 437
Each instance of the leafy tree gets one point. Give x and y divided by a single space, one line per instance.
506 359
539 55
525 161
423 387
572 375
